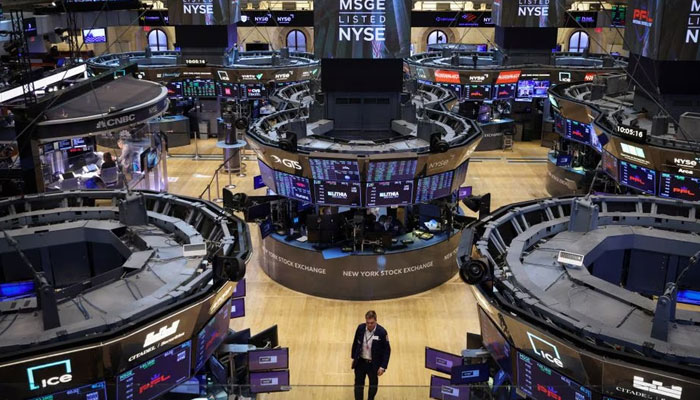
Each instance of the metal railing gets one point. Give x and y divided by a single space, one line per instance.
215 179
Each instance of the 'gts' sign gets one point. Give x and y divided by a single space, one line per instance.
287 162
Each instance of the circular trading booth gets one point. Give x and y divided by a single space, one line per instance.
611 141
216 95
589 297
361 212
506 99
110 293
93 134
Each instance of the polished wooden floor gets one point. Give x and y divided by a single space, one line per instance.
318 331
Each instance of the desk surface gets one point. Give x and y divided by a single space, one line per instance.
336 251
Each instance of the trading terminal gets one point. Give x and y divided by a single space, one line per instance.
202 200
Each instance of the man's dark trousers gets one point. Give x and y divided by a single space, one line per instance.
365 368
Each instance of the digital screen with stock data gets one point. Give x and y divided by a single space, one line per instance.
578 131
296 187
540 382
393 170
638 177
96 391
156 376
434 186
198 88
334 170
390 193
211 336
338 193
679 187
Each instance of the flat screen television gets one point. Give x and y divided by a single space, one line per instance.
441 361
268 359
442 389
95 35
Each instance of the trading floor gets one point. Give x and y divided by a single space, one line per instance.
319 331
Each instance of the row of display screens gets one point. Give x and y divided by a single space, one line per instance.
339 184
529 89
649 181
210 88
578 132
161 373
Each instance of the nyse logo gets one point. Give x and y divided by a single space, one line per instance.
685 162
478 78
533 8
286 162
163 333
657 387
202 7
35 382
545 350
438 164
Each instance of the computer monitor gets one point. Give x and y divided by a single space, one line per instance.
240 289
268 359
464 192
218 371
441 361
240 337
238 308
257 212
472 373
266 339
269 381
258 182
442 389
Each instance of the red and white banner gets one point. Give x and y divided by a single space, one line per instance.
445 76
508 77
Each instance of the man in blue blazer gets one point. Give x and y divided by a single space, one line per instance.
370 355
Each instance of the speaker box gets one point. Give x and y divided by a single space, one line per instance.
437 145
228 268
289 142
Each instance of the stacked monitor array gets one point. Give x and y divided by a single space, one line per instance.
627 173
337 182
524 90
162 372
209 88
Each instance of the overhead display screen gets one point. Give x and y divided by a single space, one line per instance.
578 131
434 186
638 177
495 343
477 92
528 13
335 193
451 19
296 187
390 193
532 89
362 28
679 187
211 336
268 175
95 35
334 170
276 18
198 88
504 91
540 382
96 391
156 376
395 170
202 12
609 164
618 14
